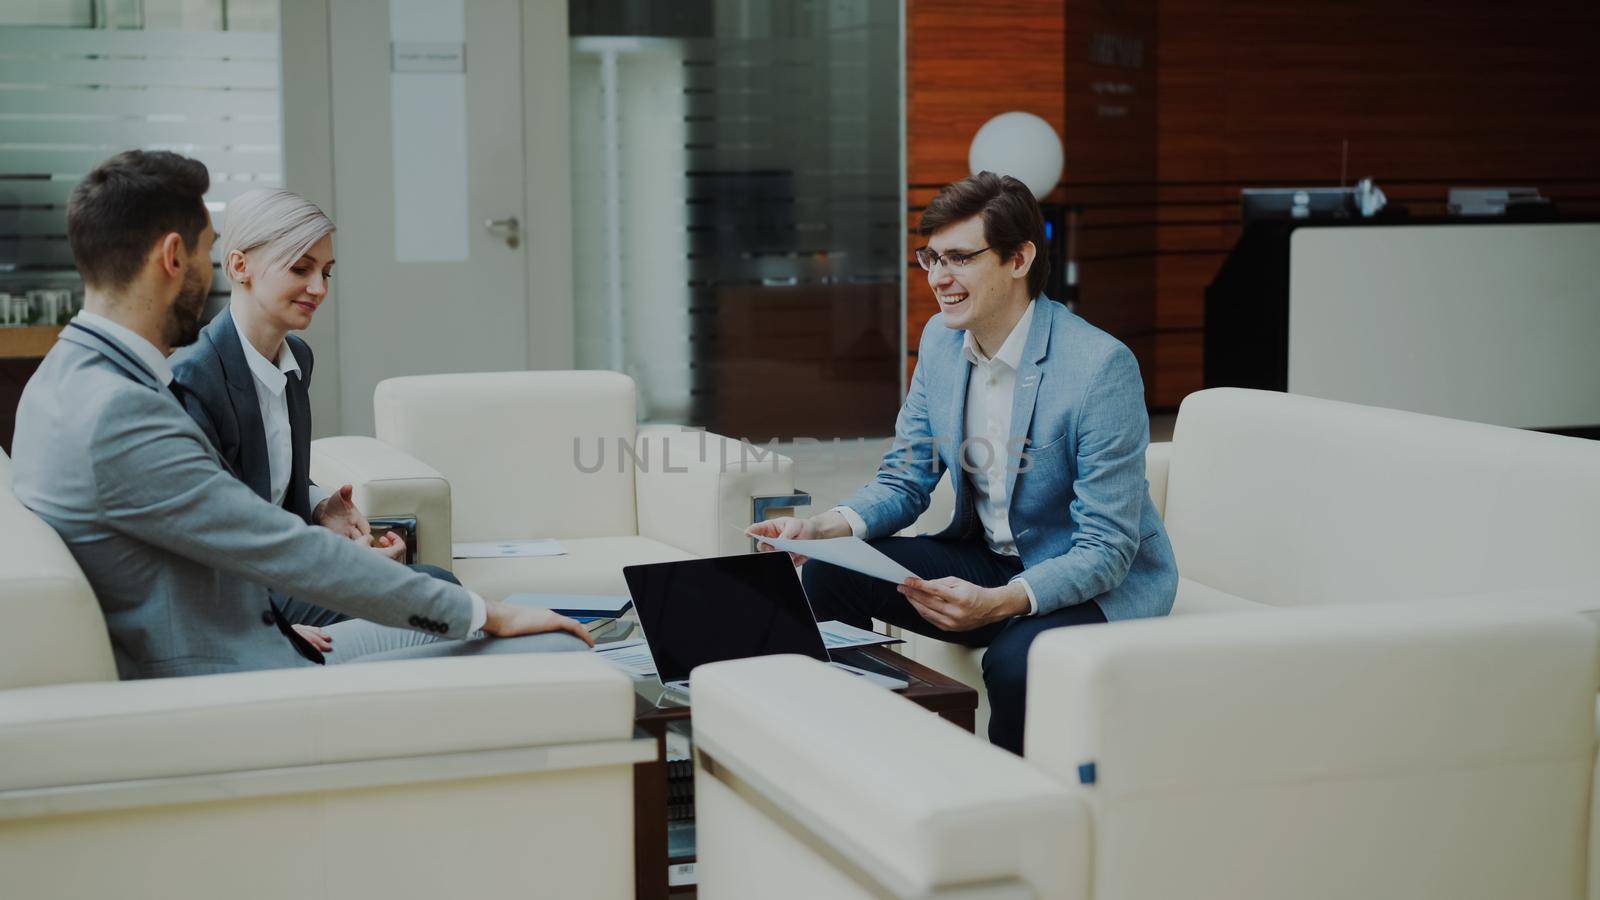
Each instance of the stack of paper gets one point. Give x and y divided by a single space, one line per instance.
498 549
632 657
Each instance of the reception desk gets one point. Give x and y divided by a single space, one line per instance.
1490 321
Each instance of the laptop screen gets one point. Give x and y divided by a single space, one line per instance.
729 607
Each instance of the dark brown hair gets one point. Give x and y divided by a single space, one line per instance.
127 204
1011 218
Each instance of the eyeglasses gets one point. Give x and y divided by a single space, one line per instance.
927 257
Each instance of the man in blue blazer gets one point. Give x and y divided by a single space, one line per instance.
1040 419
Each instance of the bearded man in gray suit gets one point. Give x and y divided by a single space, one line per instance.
180 553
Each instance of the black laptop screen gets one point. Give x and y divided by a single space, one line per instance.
730 607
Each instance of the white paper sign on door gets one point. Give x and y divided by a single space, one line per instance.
428 109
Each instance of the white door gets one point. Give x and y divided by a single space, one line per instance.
428 149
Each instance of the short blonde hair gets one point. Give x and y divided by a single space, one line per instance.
280 224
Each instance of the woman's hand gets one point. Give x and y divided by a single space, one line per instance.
391 545
315 636
339 515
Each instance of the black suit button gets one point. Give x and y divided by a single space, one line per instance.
266 617
416 621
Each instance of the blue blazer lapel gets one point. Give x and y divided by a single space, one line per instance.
254 468
1026 394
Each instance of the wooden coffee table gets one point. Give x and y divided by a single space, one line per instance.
653 712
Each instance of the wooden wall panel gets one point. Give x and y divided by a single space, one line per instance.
1428 96
1230 94
965 64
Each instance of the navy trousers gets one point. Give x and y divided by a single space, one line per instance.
857 599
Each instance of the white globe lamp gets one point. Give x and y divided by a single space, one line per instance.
1021 145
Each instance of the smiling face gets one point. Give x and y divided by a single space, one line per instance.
285 297
988 289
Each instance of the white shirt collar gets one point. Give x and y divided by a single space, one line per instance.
272 374
136 344
1010 352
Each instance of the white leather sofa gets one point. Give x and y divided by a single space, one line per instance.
495 777
1428 751
1275 501
522 455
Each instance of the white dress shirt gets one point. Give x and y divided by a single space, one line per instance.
986 453
271 381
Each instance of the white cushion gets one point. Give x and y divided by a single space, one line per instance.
1295 501
591 566
514 445
1194 597
68 734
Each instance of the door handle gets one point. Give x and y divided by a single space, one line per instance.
507 229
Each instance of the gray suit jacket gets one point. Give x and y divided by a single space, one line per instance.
177 549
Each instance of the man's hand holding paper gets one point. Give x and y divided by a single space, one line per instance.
803 539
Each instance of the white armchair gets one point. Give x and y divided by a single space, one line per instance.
524 455
1424 751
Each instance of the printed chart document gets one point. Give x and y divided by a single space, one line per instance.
501 549
632 657
846 552
837 635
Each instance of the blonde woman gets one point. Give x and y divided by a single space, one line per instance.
246 380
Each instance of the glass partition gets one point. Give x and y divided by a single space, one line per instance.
737 228
81 80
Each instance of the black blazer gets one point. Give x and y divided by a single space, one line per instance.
219 393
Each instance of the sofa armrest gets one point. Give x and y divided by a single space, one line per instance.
698 491
79 738
890 800
55 631
389 483
1194 700
1430 741
1157 463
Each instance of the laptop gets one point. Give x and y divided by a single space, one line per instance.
727 607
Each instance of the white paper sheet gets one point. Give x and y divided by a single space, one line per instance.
506 549
837 635
846 552
632 657
428 117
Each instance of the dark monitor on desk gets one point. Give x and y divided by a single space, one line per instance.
1298 204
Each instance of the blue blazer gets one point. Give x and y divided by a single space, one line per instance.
1080 507
220 395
